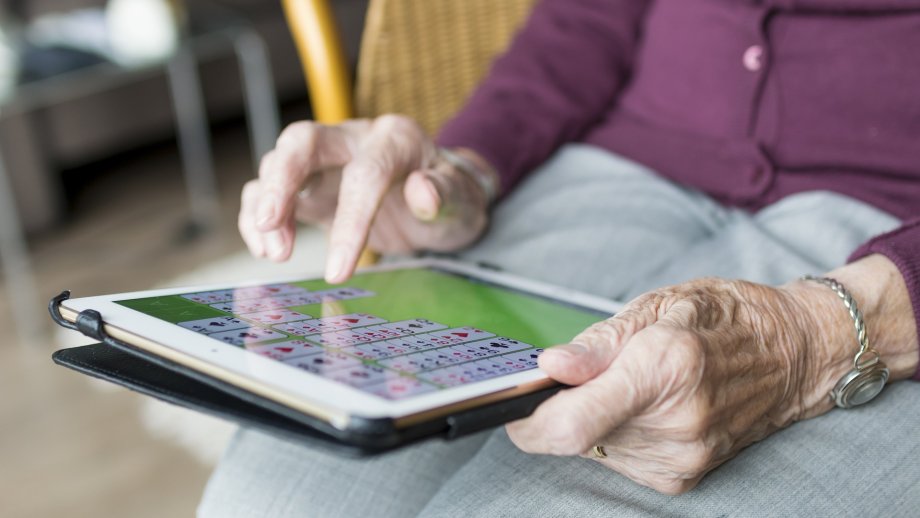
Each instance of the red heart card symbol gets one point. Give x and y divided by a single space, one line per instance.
352 320
274 317
461 335
285 349
274 290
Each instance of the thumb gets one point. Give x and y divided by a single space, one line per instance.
575 363
444 192
593 350
422 196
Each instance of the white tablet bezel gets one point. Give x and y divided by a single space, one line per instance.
298 388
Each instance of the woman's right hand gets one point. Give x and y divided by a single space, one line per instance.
378 182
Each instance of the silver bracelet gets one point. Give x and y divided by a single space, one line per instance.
869 373
486 180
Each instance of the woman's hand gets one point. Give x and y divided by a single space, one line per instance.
379 182
686 376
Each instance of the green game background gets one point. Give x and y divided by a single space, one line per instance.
439 296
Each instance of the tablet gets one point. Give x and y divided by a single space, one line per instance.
401 346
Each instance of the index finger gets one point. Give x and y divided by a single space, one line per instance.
392 148
364 184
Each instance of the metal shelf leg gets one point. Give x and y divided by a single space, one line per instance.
14 254
194 137
259 89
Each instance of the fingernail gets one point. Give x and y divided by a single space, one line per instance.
275 245
335 265
429 212
424 213
267 210
571 350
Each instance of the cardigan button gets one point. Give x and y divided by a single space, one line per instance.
753 58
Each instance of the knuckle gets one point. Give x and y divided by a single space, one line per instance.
360 124
297 133
697 423
671 486
645 306
396 122
696 458
604 330
651 299
609 332
686 360
266 159
251 189
403 133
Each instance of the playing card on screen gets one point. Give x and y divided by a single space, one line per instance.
287 350
247 335
276 316
214 324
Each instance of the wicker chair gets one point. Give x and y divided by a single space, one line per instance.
418 57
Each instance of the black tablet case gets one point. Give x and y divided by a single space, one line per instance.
141 371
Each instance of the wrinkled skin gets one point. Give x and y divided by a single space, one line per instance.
686 376
674 385
378 182
678 382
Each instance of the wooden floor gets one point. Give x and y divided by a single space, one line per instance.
70 446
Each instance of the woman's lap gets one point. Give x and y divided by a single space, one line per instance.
602 224
595 222
264 476
845 463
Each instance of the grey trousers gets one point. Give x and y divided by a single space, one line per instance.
596 222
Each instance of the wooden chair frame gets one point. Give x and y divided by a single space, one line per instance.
322 56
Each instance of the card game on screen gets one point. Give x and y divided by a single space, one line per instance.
394 334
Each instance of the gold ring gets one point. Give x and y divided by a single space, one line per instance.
599 452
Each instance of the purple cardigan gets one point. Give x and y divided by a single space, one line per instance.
747 100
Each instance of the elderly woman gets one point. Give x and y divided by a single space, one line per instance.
637 145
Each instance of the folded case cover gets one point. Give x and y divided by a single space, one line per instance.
141 371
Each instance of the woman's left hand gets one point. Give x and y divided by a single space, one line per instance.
686 376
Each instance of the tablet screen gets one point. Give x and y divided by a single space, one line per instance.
395 334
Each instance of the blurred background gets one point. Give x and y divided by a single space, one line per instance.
127 128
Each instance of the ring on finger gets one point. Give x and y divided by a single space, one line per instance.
599 452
